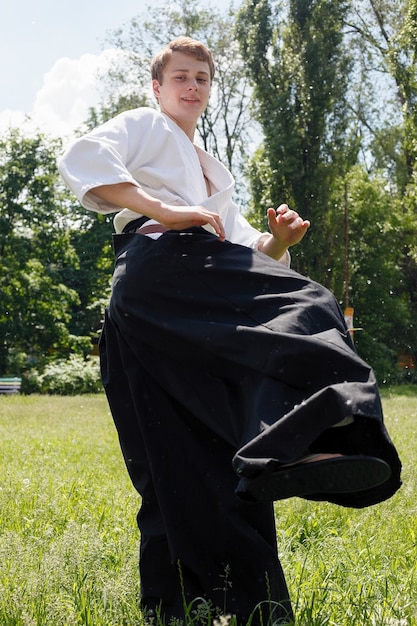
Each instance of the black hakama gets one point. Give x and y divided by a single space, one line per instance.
218 361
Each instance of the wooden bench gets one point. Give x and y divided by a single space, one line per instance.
10 385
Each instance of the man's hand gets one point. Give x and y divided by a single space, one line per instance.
286 225
287 228
133 197
179 217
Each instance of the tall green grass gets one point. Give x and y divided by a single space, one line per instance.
69 542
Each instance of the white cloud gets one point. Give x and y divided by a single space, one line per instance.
11 119
69 89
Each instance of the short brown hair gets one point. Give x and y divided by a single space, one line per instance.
181 44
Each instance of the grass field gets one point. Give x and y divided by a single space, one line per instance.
69 543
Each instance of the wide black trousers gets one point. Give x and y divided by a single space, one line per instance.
218 361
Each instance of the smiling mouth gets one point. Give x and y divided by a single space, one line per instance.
190 100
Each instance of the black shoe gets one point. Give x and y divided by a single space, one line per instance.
337 474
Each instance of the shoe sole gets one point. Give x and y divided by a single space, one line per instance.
345 474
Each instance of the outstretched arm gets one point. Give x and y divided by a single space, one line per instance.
287 228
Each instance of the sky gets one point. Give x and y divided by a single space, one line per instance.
50 53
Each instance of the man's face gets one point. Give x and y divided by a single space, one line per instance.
185 89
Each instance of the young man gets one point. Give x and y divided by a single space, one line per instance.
232 380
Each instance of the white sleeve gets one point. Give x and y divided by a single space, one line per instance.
98 158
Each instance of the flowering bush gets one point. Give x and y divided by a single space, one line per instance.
71 377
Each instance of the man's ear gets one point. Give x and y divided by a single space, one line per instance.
155 87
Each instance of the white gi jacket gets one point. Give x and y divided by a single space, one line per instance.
146 148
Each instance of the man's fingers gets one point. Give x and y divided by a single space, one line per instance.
296 223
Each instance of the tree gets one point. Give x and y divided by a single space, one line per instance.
33 249
385 34
43 286
300 68
377 285
112 107
91 279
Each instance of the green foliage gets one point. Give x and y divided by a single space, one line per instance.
69 540
113 107
71 377
300 67
34 249
377 289
55 261
385 38
400 57
91 279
